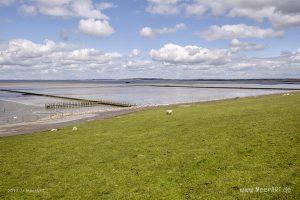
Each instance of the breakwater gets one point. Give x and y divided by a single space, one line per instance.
80 100
71 104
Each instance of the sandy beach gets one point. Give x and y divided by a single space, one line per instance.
47 124
13 112
18 118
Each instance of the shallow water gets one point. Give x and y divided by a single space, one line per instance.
129 91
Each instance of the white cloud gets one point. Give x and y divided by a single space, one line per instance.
26 48
281 21
92 55
94 27
259 15
147 32
64 8
28 9
163 7
195 10
237 45
238 31
105 5
277 18
93 21
150 33
134 53
281 66
6 2
138 64
172 53
50 55
86 9
21 59
281 14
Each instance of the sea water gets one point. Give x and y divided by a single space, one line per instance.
132 91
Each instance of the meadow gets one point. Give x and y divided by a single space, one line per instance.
216 150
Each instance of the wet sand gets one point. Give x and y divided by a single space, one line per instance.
46 125
17 118
12 113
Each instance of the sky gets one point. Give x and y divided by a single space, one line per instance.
176 39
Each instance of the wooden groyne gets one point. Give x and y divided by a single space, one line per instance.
216 87
72 104
78 100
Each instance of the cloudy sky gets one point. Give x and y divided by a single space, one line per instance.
85 39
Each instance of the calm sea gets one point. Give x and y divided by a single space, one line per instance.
136 91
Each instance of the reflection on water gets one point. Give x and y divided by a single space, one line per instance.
146 95
140 95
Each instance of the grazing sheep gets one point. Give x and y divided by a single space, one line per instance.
74 128
53 130
169 112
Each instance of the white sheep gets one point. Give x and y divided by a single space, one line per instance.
74 128
53 130
169 112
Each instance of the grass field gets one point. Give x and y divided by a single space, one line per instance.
211 150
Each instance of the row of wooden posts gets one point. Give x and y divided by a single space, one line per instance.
73 104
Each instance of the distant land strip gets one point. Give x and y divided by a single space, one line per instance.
103 102
215 87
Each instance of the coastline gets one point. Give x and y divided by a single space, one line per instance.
46 125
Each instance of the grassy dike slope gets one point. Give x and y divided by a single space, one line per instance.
205 151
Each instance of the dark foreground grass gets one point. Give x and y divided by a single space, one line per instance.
205 151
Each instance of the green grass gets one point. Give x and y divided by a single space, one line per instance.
205 151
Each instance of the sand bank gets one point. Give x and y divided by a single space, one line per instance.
48 123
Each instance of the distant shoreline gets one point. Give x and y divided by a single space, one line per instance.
220 87
157 79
